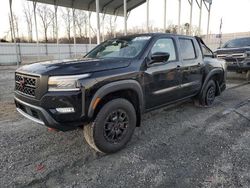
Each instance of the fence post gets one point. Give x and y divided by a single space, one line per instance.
19 51
70 51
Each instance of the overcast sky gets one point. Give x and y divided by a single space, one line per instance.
235 14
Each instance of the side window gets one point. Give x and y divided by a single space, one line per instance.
165 45
206 52
187 49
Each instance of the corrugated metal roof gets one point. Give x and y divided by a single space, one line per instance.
114 7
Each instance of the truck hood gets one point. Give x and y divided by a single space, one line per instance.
232 50
73 66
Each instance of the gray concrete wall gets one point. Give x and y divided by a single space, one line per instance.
28 52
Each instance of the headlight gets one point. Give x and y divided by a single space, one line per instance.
65 83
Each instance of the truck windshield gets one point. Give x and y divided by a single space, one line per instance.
237 43
120 48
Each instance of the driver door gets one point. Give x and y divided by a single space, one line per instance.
162 79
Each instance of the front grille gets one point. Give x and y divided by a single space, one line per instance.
231 56
26 84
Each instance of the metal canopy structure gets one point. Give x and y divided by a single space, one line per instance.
113 7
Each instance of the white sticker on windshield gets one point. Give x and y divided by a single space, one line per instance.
142 38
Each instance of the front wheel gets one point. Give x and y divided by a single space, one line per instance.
248 75
208 94
113 126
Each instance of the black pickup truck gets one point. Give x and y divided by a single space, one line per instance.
108 90
236 53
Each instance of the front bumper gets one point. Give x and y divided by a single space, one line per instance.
43 111
238 65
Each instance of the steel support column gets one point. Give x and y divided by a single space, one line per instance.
165 16
179 17
191 16
147 16
74 29
200 16
97 3
57 37
115 25
13 31
90 37
125 16
208 19
103 27
37 40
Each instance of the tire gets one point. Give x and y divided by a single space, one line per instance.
208 94
248 75
113 126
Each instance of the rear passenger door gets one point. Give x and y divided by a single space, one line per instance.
192 63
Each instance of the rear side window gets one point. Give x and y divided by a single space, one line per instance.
187 49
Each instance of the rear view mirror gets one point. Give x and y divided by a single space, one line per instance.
159 57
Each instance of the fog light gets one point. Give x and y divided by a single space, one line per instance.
65 110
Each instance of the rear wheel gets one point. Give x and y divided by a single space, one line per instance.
208 94
113 126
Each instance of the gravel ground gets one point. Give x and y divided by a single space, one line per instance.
179 146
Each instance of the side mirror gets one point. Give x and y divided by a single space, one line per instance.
159 57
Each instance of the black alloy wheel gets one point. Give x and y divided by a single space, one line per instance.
207 97
113 126
210 95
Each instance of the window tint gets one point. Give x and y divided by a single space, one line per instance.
206 51
187 49
236 43
165 45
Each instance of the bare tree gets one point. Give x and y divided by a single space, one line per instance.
16 26
81 21
11 31
28 13
172 29
67 18
55 25
110 25
6 35
194 31
53 31
186 28
46 16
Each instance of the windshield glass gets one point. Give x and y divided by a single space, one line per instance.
119 48
236 43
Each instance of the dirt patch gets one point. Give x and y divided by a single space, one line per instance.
8 111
